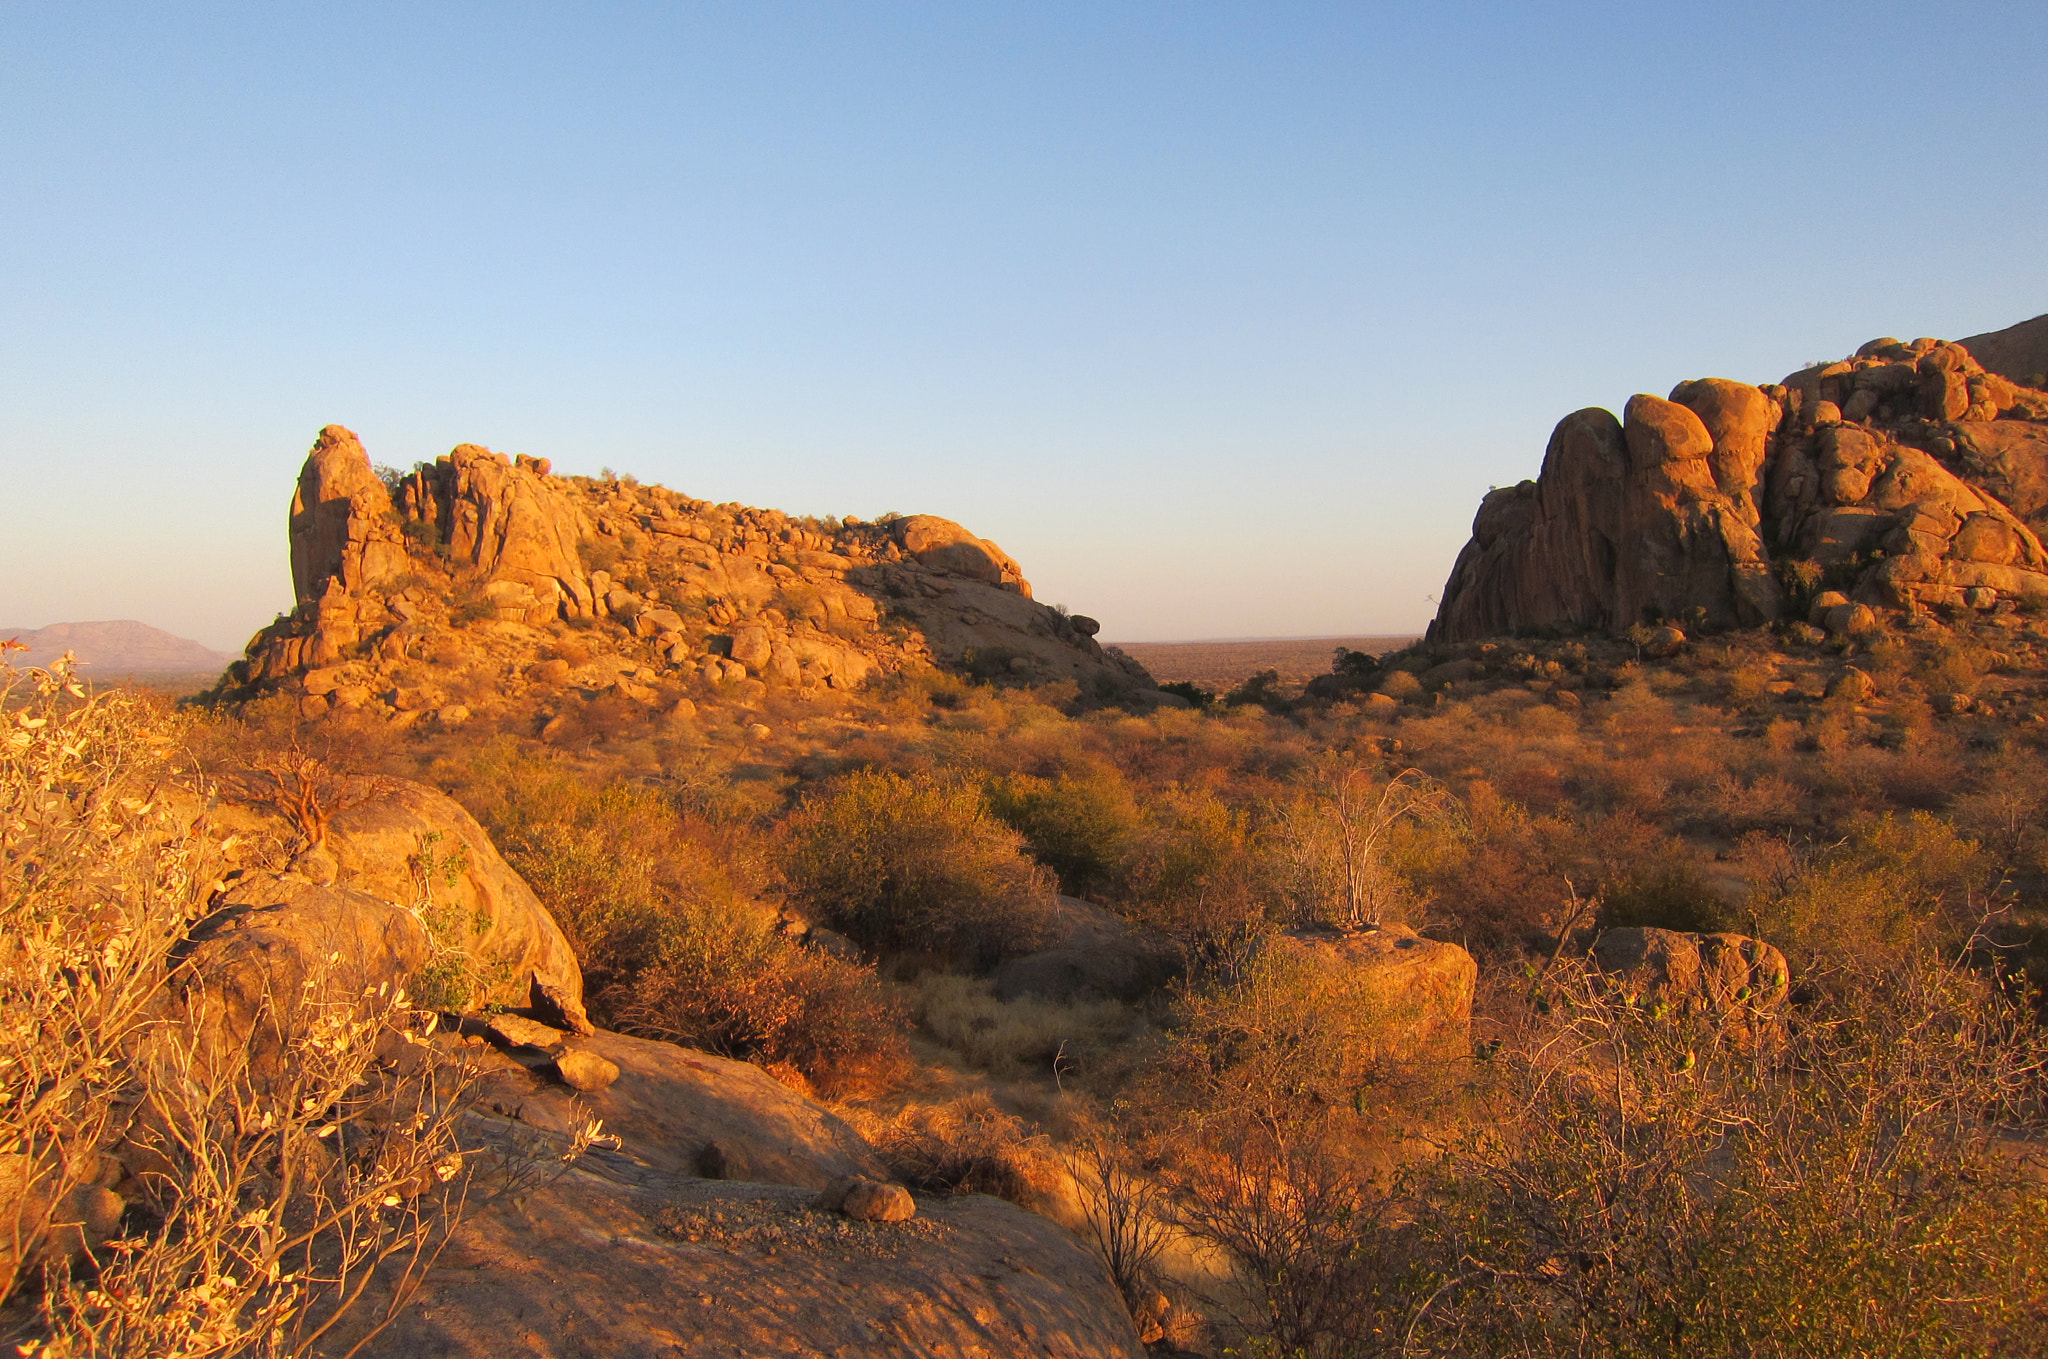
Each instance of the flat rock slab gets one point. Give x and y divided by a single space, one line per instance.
670 1268
669 1104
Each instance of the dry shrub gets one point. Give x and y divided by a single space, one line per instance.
916 863
1648 1185
1336 844
217 1206
1288 1039
1315 1270
1024 1034
1651 1186
968 1146
726 983
1198 872
1892 883
661 907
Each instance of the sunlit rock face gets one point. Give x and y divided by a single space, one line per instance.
1907 475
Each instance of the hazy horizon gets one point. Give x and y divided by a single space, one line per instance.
1220 320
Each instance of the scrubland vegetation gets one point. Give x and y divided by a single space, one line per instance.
824 886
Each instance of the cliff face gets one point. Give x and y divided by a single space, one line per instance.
1907 475
481 579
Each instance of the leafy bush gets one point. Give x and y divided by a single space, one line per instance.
1401 684
1197 872
724 982
915 863
1289 1037
1079 826
662 909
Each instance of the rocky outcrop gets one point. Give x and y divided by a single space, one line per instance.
1726 975
342 525
688 1113
489 582
1421 989
944 546
1907 476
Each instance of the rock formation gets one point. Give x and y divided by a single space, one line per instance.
403 889
1420 989
1729 976
1905 476
438 595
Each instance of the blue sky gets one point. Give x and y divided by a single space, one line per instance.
1220 317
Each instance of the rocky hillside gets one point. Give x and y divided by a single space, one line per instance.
1906 476
484 582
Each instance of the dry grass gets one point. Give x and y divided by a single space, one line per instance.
1023 1035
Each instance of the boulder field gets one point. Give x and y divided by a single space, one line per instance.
1909 475
482 582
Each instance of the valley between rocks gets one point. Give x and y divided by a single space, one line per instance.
593 921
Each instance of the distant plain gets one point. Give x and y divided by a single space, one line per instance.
1221 665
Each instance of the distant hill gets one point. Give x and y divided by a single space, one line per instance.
119 647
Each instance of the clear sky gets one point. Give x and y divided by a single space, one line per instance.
1220 317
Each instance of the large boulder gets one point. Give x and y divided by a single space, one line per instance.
944 546
619 1260
1727 975
405 889
342 526
1095 955
1626 520
1421 988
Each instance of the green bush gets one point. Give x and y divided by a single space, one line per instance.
916 863
1079 826
1197 871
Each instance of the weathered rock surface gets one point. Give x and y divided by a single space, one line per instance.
628 1263
1096 955
1908 473
1421 987
1724 974
866 1200
670 1104
488 585
2017 353
404 881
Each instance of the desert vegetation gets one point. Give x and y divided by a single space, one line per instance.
836 888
